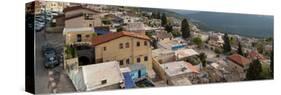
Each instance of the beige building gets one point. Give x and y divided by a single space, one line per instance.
126 47
55 6
78 35
79 16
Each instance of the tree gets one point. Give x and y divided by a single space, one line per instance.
254 71
198 41
239 50
226 45
158 15
202 57
154 43
169 28
185 29
164 21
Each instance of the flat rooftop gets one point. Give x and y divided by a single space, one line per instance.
93 75
178 68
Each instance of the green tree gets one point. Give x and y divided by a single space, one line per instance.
185 29
158 15
154 43
169 28
226 45
254 71
198 41
164 21
239 50
202 57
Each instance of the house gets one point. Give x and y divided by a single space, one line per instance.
78 35
178 72
174 44
79 16
240 63
215 39
255 55
55 6
163 55
137 27
184 53
126 47
97 77
163 35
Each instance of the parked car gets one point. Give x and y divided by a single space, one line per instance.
50 57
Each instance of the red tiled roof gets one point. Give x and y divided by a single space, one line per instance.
238 59
78 7
254 54
193 69
114 35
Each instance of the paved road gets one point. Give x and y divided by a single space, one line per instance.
43 75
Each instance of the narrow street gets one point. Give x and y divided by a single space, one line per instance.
59 80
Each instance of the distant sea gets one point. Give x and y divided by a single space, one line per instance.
243 24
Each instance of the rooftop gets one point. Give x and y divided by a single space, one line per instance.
183 53
163 35
114 35
93 75
178 68
238 59
82 29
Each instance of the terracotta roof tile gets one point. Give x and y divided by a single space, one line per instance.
254 54
238 59
114 35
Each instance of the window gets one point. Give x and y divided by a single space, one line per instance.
104 48
145 43
138 60
128 61
87 36
103 81
121 62
138 44
79 38
127 45
121 45
145 58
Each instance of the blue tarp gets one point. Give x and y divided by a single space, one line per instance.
129 83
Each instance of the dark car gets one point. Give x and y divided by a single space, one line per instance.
50 57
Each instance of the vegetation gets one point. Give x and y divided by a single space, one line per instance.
194 60
154 43
94 34
169 28
185 29
218 50
226 45
70 52
202 57
176 33
254 71
239 50
198 41
164 20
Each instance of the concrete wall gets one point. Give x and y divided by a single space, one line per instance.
71 37
158 69
113 52
78 22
